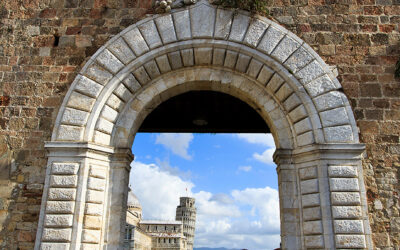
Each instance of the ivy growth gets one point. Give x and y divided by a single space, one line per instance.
253 6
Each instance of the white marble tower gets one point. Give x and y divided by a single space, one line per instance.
186 212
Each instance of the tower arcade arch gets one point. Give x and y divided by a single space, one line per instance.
202 47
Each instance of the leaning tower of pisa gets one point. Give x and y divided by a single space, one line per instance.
186 212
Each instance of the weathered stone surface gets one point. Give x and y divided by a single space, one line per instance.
342 171
92 222
271 39
348 226
105 126
202 19
242 63
292 102
115 103
182 25
93 196
65 168
88 87
132 83
98 73
265 75
70 133
312 227
345 198
309 72
98 172
320 85
150 34
166 28
122 92
223 23
187 57
59 220
339 134
285 48
94 209
310 200
60 207
91 236
346 212
255 32
334 117
152 69
121 50
96 184
344 184
74 117
109 113
303 126
298 60
350 241
62 194
136 42
239 27
309 186
329 100
56 235
109 61
298 113
308 173
316 241
64 181
54 246
312 213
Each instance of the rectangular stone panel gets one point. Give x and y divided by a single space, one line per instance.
239 27
58 220
122 92
298 60
88 87
91 236
62 194
93 196
80 101
339 134
115 102
312 213
98 73
285 48
70 133
74 117
314 241
342 171
309 186
350 241
60 207
254 68
120 49
242 63
298 113
136 42
182 25
348 226
64 181
345 198
131 83
150 34
92 222
166 28
152 69
305 139
344 184
109 61
109 113
330 100
98 172
56 235
310 72
203 56
202 20
94 209
310 200
223 23
265 75
96 184
346 212
303 126
334 117
142 76
187 57
219 57
65 168
54 246
163 64
312 227
271 39
255 32
175 60
275 82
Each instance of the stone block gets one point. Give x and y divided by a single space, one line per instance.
175 60
83 102
255 32
182 25
163 64
63 181
98 74
310 72
298 113
309 186
334 117
65 168
312 213
105 126
70 133
74 117
330 100
275 83
291 102
131 83
310 200
314 241
254 68
88 87
344 184
284 91
56 235
91 236
242 63
265 75
319 86
96 184
109 113
54 246
303 126
350 241
150 33
136 42
120 49
298 60
114 102
239 27
312 227
219 57
98 172
230 59
345 198
203 56
285 48
187 57
93 196
123 93
101 138
223 23
166 28
342 171
270 40
92 222
60 207
94 209
62 194
141 75
58 220
89 246
152 69
348 226
202 20
346 212
339 134
109 61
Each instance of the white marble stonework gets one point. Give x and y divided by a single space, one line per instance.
204 47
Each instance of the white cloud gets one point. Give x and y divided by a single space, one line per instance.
246 218
245 168
177 143
262 139
266 157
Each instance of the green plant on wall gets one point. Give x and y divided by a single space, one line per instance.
254 6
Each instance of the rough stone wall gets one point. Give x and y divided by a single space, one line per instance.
44 43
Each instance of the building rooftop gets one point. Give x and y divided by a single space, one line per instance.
161 222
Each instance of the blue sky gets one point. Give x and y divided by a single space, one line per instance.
232 177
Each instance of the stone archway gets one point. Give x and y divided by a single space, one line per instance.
322 194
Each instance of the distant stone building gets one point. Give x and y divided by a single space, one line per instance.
157 235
